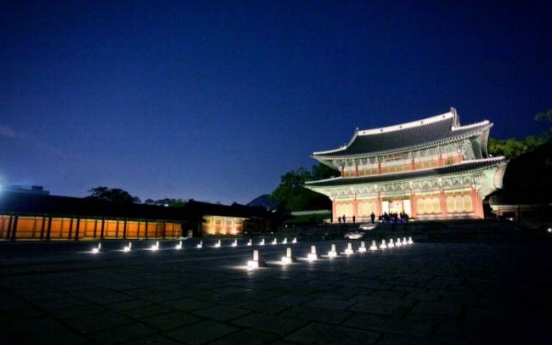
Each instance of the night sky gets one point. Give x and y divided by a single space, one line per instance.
215 100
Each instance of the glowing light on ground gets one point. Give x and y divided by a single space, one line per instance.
235 243
275 241
178 245
284 241
399 243
127 248
96 250
294 240
373 246
200 245
362 247
217 245
289 257
410 240
391 245
262 242
312 255
155 247
383 245
349 249
250 243
255 263
333 252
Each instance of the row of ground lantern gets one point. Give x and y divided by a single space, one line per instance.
178 246
256 262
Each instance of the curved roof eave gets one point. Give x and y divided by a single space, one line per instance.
408 148
469 165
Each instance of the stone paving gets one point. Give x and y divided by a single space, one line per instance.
425 293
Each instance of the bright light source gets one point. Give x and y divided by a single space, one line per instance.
252 264
96 250
286 260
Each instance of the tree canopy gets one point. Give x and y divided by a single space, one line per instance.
166 202
291 195
513 147
113 195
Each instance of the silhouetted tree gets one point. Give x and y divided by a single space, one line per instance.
166 202
291 195
545 116
112 194
513 147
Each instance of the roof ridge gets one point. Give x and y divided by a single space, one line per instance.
418 123
473 125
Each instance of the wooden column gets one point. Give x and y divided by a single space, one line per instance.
95 228
378 205
334 210
42 228
70 229
443 203
413 206
440 162
77 229
103 229
49 228
477 204
13 231
8 233
355 208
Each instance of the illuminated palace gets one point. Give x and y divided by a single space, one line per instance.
430 169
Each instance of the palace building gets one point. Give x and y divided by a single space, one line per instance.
433 168
36 215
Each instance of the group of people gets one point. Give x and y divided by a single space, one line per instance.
401 217
344 219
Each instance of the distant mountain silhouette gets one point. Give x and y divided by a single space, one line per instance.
263 200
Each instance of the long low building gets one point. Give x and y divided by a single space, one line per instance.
36 216
432 168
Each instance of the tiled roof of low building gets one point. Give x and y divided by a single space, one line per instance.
35 204
408 135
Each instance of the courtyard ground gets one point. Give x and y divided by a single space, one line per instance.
424 293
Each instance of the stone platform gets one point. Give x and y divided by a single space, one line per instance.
425 293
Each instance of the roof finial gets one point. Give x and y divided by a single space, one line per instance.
456 120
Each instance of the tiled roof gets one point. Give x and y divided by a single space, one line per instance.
408 135
409 175
30 203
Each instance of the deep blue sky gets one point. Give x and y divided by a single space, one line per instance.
215 100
